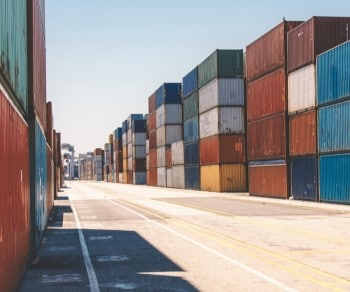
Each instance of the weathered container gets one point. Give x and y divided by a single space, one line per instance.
268 53
302 134
221 92
147 146
139 139
269 179
121 178
168 134
130 150
152 105
138 151
147 162
138 126
125 164
334 128
169 178
333 74
221 64
130 160
124 127
177 153
169 114
190 83
168 163
161 158
266 96
222 149
302 89
152 121
140 178
153 158
168 93
314 37
153 139
221 120
117 134
129 136
190 106
133 117
192 177
161 177
14 193
267 138
223 178
334 178
152 176
178 176
304 178
125 177
125 139
191 129
191 153
130 178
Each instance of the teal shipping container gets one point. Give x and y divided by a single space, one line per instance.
221 64
190 106
334 178
334 128
13 48
333 74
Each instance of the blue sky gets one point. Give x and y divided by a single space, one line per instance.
106 57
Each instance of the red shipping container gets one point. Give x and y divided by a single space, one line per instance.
152 121
153 158
130 177
152 103
153 139
168 162
152 176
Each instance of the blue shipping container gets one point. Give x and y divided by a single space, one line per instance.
124 127
192 177
191 130
168 93
304 178
118 134
191 153
333 74
190 83
138 126
334 128
334 178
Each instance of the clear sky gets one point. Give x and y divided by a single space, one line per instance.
106 57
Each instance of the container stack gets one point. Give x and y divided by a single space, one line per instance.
97 162
191 129
177 177
222 122
266 66
139 135
305 42
152 141
124 178
118 155
86 168
107 163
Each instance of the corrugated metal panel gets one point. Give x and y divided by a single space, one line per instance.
147 162
334 178
168 93
190 106
13 47
139 139
152 105
152 176
139 178
129 136
161 177
14 194
50 182
267 95
304 178
267 138
302 133
138 151
153 158
191 153
147 146
221 92
333 74
130 177
152 121
334 128
121 178
221 120
222 149
130 153
191 130
221 64
268 180
125 164
268 53
178 175
190 82
192 177
302 89
161 159
168 114
125 139
125 177
168 156
177 153
168 134
223 178
169 178
133 117
124 127
153 139
138 126
49 130
118 134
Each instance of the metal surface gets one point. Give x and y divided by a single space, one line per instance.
161 177
169 178
168 134
266 96
191 153
139 139
152 103
161 158
190 82
138 151
192 177
153 139
168 93
153 158
190 106
178 177
169 114
152 176
302 134
168 163
177 153
50 182
49 123
191 130
139 178
152 121
333 74
138 126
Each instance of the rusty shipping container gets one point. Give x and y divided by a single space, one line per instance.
267 95
152 121
267 138
153 158
314 37
14 194
152 103
302 134
152 177
168 162
153 139
222 149
130 177
268 53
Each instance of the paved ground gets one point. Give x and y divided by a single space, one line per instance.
109 237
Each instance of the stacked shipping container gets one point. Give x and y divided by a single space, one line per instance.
152 142
118 155
97 164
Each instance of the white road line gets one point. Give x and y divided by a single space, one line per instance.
212 251
87 260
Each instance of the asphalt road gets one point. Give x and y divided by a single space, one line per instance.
109 237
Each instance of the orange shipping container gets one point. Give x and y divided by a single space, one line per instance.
153 158
152 121
152 176
153 139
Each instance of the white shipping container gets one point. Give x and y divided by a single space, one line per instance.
178 180
169 178
147 146
302 89
139 151
124 139
120 177
129 136
169 114
168 134
177 153
139 139
140 178
221 92
147 162
161 177
130 154
221 120
130 163
161 161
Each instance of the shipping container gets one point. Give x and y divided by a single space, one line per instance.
190 83
138 151
168 93
221 64
334 128
221 92
152 121
267 95
168 163
177 153
50 181
125 151
124 139
169 178
223 178
161 158
168 134
304 178
152 176
140 178
333 74
125 176
222 149
118 134
121 178
192 177
153 158
153 139
190 106
302 134
169 114
267 138
139 139
147 162
334 178
130 177
178 176
152 105
269 179
147 147
129 136
130 159
161 177
314 37
191 153
130 150
268 53
125 164
124 127
191 130
221 120
302 89
131 118
49 123
138 126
